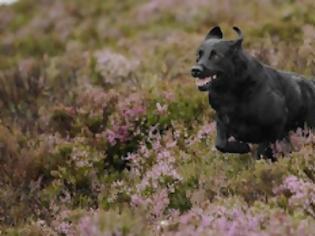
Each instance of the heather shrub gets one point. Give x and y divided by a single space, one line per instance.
103 132
104 223
235 219
112 68
257 182
300 194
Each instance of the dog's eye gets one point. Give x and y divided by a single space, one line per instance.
199 55
213 55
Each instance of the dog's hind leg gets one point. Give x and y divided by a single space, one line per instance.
225 146
264 150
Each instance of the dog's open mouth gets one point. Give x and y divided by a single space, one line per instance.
203 83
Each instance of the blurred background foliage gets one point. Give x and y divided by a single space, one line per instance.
102 131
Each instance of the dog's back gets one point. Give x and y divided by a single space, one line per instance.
299 93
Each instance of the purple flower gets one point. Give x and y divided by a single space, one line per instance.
303 193
161 109
160 201
111 137
114 68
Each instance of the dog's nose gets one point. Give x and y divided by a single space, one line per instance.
196 71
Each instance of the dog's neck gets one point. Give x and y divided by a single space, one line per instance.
246 72
223 99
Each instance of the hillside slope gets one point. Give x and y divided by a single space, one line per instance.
103 132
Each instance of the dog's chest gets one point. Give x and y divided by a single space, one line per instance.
224 103
234 113
242 128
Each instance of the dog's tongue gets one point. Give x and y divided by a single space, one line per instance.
202 82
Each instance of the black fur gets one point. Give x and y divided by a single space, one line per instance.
254 102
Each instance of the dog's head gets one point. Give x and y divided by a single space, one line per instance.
217 60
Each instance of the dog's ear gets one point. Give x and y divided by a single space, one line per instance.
215 32
238 42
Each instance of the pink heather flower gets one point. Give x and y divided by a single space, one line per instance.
216 220
187 217
131 109
87 227
144 151
114 67
138 160
111 137
60 223
65 228
160 179
122 133
96 99
156 145
137 200
204 131
161 109
303 193
165 154
134 113
153 9
117 134
124 122
160 202
297 139
281 147
153 176
169 96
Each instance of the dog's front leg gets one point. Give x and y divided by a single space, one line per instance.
225 146
265 151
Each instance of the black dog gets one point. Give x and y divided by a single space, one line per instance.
254 102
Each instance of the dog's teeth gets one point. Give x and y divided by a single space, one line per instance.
202 82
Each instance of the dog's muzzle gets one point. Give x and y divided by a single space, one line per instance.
196 71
